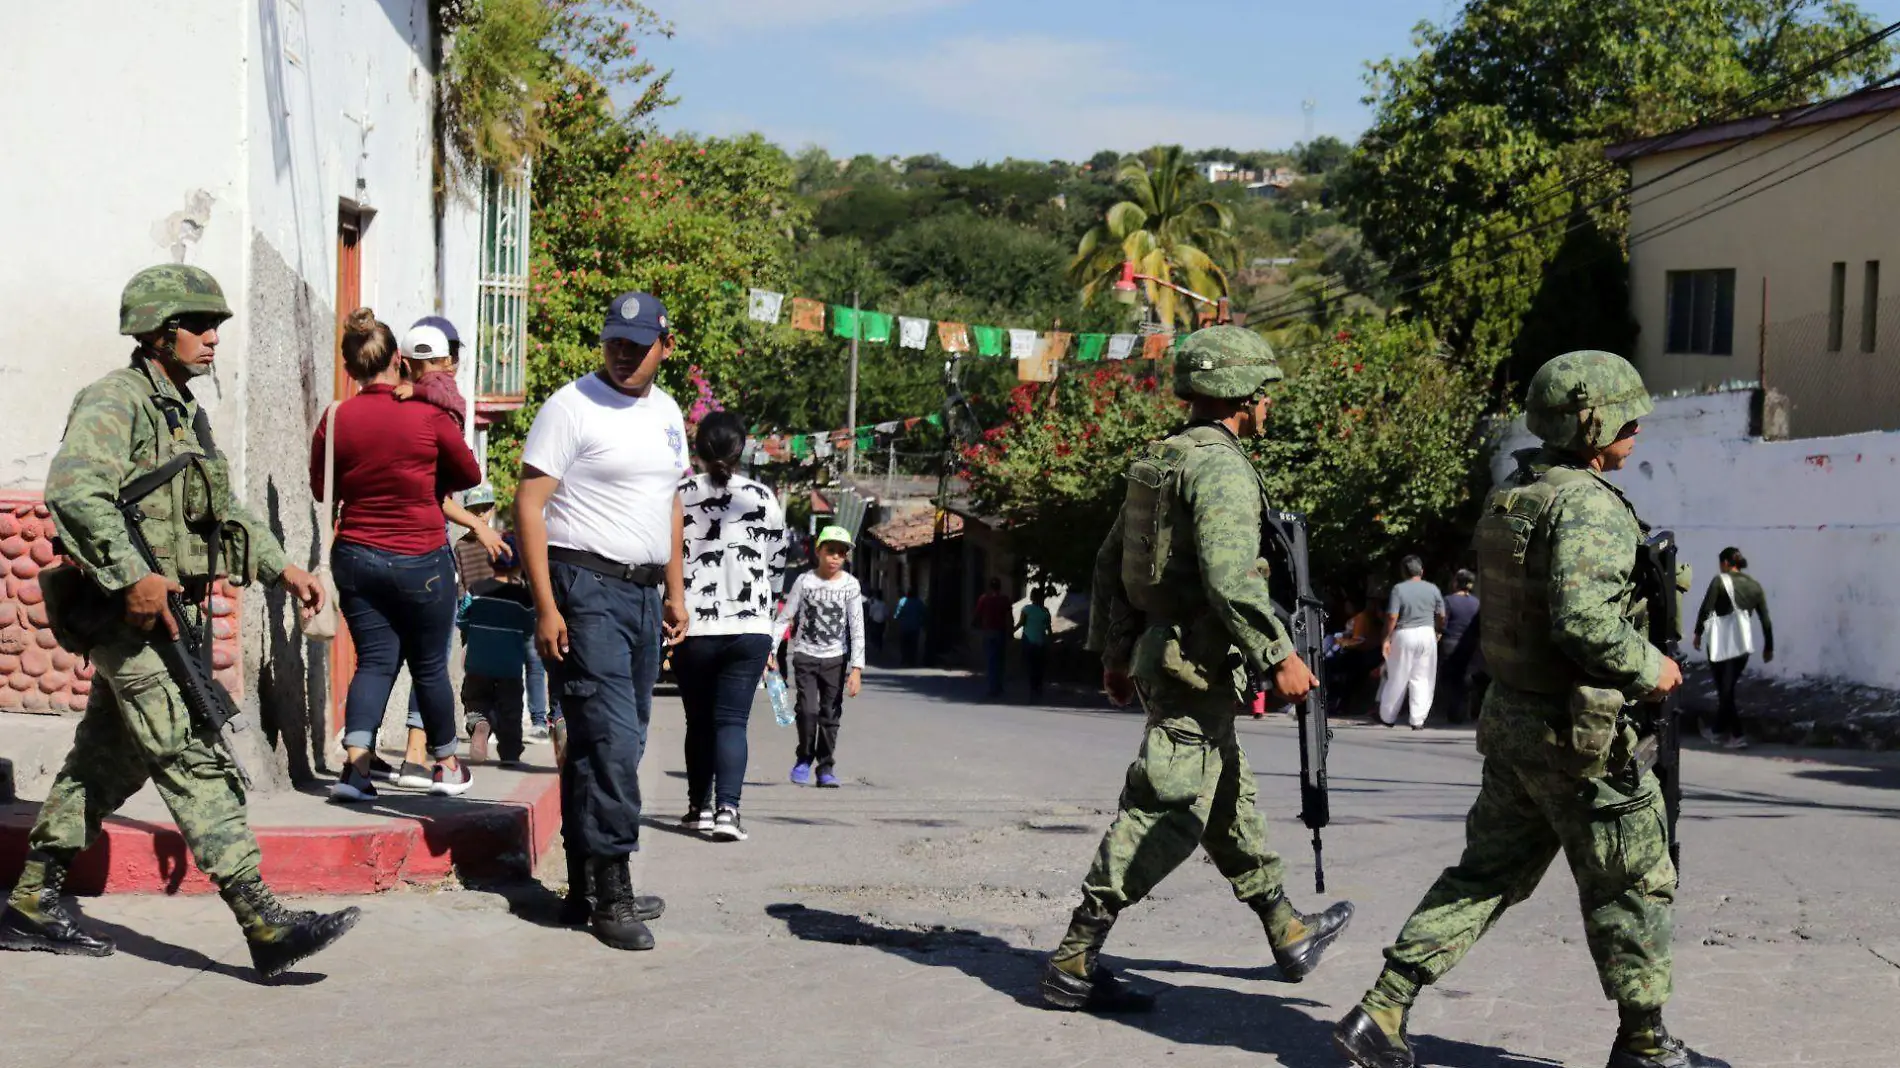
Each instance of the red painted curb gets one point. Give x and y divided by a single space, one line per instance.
430 840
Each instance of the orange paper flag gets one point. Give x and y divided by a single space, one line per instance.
954 337
1156 346
808 314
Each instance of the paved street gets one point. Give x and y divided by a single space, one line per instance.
900 921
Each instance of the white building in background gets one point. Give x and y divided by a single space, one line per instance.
288 147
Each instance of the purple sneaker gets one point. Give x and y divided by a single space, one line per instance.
828 781
801 774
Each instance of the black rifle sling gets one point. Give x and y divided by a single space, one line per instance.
162 475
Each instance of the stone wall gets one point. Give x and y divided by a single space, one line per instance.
38 676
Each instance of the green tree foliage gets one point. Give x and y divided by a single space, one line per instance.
1168 227
1499 123
1374 435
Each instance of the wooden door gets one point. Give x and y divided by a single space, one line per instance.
349 297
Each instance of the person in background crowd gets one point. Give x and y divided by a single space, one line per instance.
428 371
876 614
1457 645
497 622
826 614
601 528
1356 656
1035 626
995 619
912 613
1414 616
735 546
1731 593
394 572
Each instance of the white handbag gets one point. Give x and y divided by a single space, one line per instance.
322 625
1731 635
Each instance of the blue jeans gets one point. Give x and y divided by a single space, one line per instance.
537 688
401 610
605 688
719 675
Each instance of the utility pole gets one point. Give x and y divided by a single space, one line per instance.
851 411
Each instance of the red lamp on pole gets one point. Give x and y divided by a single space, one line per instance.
1126 290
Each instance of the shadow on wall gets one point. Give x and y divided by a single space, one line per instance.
293 686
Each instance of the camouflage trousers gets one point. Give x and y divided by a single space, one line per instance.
1190 786
136 727
1615 842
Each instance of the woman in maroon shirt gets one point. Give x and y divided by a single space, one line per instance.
395 573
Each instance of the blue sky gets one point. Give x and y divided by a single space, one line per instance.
1033 79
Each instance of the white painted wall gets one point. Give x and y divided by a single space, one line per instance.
1818 519
124 126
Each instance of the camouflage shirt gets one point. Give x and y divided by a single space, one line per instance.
1215 568
116 432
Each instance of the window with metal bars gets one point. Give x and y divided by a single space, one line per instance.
1701 313
501 312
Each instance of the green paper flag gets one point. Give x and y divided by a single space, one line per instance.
866 442
1089 347
801 447
844 321
934 418
989 340
877 327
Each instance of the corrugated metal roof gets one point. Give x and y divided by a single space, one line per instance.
1738 129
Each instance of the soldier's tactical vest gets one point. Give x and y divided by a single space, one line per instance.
1149 518
1513 543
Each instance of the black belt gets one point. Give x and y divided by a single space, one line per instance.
638 574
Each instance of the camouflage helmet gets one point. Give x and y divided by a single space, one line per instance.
159 294
1580 400
1228 362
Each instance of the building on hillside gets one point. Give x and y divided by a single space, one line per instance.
1756 248
297 163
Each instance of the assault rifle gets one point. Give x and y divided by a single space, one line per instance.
1305 622
1663 745
187 658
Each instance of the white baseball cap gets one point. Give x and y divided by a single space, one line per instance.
425 343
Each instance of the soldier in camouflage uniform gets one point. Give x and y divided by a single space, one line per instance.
1563 633
136 726
1183 618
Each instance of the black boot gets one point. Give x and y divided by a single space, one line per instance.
1643 1042
1075 977
280 937
1304 937
615 920
1366 1044
37 918
578 906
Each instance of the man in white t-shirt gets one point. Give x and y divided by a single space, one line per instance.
600 526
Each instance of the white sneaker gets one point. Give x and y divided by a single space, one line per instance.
726 826
537 735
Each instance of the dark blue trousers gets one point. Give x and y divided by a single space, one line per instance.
605 689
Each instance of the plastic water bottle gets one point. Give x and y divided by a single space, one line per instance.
781 701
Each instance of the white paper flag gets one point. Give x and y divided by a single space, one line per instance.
765 305
1120 345
821 447
1022 344
886 428
912 333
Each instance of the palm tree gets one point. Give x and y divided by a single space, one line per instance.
1165 230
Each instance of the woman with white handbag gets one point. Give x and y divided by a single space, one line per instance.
1730 608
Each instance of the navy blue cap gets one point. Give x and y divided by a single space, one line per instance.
637 317
437 321
511 555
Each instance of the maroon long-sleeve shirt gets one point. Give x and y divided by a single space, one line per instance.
394 464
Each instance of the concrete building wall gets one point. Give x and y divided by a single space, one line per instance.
1792 204
1818 520
125 129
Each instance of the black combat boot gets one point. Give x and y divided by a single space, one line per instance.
1643 1042
1299 939
1075 977
578 906
37 918
615 918
280 937
1367 1045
